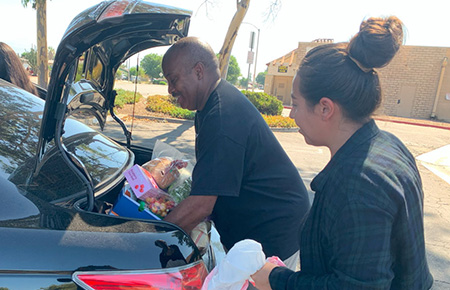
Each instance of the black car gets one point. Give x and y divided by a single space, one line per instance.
58 176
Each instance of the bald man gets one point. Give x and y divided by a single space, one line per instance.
243 179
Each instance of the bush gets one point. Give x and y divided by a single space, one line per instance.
279 121
167 105
159 82
265 103
126 97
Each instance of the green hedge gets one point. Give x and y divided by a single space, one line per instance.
265 103
159 82
167 105
126 97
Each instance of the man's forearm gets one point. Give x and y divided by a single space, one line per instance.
191 211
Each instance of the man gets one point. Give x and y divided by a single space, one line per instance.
243 178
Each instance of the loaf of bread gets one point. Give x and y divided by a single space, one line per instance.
163 170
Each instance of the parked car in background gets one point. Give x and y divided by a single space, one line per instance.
58 176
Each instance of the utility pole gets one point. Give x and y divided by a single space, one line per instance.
250 55
256 56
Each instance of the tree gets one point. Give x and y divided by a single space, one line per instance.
31 57
261 77
151 64
243 82
225 51
42 53
242 7
234 71
133 71
51 53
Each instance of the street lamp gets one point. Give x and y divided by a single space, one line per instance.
256 58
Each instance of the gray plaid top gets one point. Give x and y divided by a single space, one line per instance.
365 228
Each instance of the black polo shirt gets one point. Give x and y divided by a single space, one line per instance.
260 193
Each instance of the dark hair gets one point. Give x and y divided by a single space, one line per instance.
344 72
12 70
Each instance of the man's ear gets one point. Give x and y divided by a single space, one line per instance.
199 70
327 108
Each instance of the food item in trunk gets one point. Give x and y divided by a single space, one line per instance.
164 170
160 204
180 190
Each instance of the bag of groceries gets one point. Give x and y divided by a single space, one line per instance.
162 182
173 172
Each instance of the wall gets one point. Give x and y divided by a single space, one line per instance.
410 83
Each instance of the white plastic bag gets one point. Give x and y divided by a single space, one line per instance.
232 273
181 187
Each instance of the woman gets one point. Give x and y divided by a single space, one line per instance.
365 228
12 70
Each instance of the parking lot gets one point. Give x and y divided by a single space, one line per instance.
310 160
429 144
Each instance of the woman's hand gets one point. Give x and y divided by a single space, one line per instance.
261 277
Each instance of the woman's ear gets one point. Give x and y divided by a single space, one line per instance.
327 108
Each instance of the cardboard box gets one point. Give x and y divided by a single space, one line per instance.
141 182
127 206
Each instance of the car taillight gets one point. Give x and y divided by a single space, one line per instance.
186 278
114 10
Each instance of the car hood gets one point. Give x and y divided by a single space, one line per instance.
98 40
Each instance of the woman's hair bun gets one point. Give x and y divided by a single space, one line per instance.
377 42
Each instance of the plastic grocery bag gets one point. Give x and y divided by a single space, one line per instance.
201 235
232 273
176 178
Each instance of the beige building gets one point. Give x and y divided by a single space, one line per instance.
416 84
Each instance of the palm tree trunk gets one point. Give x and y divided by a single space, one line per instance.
42 54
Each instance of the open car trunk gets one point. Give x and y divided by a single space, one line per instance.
93 47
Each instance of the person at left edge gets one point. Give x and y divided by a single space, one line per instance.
243 178
12 70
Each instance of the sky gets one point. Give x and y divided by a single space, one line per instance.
426 23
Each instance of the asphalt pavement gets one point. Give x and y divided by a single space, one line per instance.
429 144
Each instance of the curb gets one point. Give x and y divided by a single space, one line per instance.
162 119
411 123
403 121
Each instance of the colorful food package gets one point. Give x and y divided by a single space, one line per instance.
128 205
160 204
141 182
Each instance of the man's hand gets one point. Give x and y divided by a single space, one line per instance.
191 211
